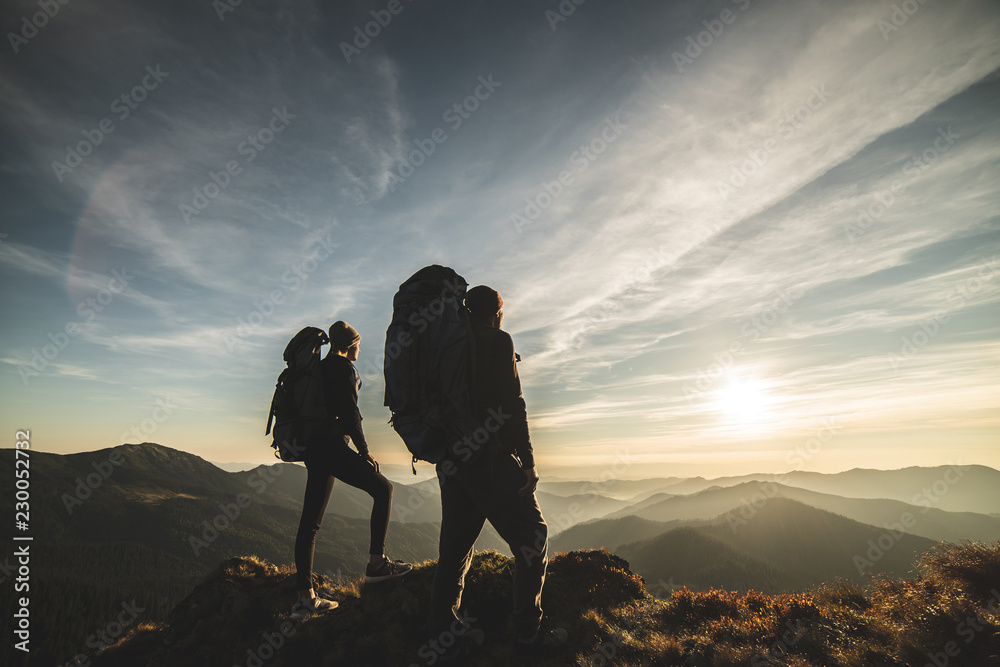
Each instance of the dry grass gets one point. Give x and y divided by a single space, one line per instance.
610 617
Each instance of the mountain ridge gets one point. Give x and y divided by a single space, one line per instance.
147 522
239 615
785 546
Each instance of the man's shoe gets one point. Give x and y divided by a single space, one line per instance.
304 609
466 645
390 569
545 642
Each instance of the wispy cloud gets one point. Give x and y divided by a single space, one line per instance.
639 218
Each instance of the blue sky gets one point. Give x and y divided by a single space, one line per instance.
730 236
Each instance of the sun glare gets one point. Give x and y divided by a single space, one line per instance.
743 401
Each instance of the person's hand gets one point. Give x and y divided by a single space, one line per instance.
368 457
530 482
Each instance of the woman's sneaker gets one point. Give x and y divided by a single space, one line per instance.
307 608
389 569
545 642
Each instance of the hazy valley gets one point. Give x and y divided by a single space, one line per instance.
145 524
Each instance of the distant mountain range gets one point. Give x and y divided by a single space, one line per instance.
146 523
957 488
933 523
785 546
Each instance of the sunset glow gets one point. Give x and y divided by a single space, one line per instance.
708 245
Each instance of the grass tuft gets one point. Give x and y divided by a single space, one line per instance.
950 610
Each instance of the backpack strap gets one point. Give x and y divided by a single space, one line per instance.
274 399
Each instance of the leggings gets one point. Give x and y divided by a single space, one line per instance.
341 462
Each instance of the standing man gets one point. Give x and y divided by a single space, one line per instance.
494 481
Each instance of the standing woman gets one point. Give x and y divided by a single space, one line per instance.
336 460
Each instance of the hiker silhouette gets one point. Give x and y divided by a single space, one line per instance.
329 457
490 475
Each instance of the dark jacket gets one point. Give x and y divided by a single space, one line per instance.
341 384
497 399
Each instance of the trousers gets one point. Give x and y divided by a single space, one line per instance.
324 465
482 489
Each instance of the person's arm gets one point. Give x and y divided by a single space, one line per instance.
517 428
345 403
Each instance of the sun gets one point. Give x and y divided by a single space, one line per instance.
743 400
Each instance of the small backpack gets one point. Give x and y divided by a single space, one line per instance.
298 407
430 401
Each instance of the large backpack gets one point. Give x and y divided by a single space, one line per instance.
428 366
298 407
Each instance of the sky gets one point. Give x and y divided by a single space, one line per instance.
731 236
